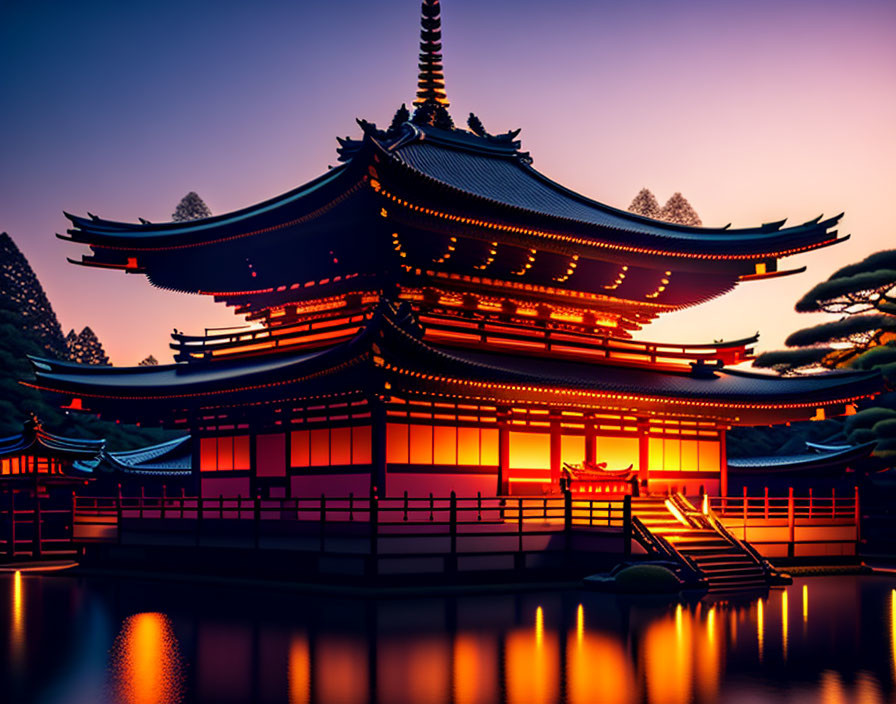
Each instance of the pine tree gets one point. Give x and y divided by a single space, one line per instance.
677 210
191 207
475 125
85 348
21 288
149 362
402 115
646 204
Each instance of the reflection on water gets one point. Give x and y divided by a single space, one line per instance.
167 643
146 665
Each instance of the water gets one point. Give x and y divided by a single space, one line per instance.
71 640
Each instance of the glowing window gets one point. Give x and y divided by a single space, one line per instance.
468 446
420 444
225 453
710 457
572 449
340 446
298 448
320 447
397 443
530 450
444 445
689 455
617 452
672 454
241 459
655 454
361 445
208 454
489 447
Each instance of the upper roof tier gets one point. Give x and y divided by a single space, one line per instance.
424 203
405 200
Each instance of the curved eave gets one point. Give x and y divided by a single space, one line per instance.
802 463
627 234
136 237
46 444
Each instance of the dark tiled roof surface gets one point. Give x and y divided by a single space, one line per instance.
805 460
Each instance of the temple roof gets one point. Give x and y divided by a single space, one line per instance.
35 441
390 349
171 458
817 457
471 164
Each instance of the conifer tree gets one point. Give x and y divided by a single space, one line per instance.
475 125
677 210
150 361
646 204
21 288
402 115
85 348
191 207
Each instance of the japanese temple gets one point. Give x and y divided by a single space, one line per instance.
434 315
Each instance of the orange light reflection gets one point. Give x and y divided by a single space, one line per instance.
146 661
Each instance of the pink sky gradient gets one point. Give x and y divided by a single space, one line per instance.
754 111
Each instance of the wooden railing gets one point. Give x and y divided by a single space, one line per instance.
34 526
453 529
813 506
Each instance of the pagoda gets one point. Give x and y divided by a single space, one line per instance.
436 315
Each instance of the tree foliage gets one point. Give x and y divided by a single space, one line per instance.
85 347
475 125
646 204
864 338
677 210
191 207
150 361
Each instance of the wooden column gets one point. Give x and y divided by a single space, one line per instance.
378 445
556 458
723 464
643 453
590 436
503 456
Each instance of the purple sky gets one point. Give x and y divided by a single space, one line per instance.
755 111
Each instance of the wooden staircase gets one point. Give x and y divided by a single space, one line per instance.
719 558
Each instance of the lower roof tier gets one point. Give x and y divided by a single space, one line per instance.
389 357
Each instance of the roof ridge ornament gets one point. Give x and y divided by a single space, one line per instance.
431 102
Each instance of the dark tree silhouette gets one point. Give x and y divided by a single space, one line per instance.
475 125
150 361
864 338
402 115
191 207
21 288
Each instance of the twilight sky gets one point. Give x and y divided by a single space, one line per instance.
755 111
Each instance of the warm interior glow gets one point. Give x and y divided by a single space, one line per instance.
224 453
299 674
441 445
324 447
617 452
530 450
146 661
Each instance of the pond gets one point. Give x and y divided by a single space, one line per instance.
70 639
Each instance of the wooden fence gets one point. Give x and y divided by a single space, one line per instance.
794 527
399 534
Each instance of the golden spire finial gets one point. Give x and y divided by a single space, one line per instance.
431 80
